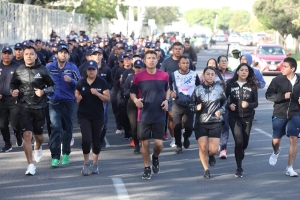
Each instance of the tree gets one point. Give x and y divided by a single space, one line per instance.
162 15
224 17
239 18
202 16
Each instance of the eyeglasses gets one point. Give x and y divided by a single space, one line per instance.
223 61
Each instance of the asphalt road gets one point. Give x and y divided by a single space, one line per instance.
180 177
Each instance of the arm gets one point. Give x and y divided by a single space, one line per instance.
197 82
49 82
254 102
260 79
133 94
109 79
272 93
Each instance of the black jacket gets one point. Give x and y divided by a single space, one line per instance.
25 79
237 94
284 108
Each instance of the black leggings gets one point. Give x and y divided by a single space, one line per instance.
240 128
132 116
91 134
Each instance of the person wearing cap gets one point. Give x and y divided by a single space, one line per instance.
74 58
61 105
158 44
161 58
114 94
31 83
132 110
234 60
170 65
146 48
149 92
113 58
122 103
188 49
19 54
38 44
90 93
40 56
8 108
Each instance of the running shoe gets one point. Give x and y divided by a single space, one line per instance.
65 159
54 162
166 136
211 160
19 141
223 154
186 142
30 170
147 173
72 142
206 174
86 169
155 166
178 150
137 150
273 158
239 173
95 169
7 147
290 172
172 144
38 154
131 143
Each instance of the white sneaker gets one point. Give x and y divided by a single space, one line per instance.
290 172
38 154
72 142
273 158
172 144
119 131
30 170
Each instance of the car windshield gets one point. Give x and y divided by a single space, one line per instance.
271 51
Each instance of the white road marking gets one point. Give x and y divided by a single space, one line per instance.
263 132
106 141
121 189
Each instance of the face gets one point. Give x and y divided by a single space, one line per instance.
244 59
96 57
209 76
186 46
137 69
150 61
223 64
243 73
39 44
91 72
184 65
286 69
62 56
158 53
127 61
177 51
7 56
211 63
19 53
29 57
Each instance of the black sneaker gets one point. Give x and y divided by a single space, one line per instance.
206 174
155 166
178 150
239 173
7 147
212 160
19 141
137 150
186 142
147 174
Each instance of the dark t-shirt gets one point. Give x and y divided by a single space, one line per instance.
6 74
151 88
91 106
20 62
170 65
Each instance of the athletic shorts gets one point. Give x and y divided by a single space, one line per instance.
148 131
211 130
32 120
289 127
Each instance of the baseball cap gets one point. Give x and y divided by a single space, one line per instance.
27 45
91 64
81 41
156 49
127 55
119 46
148 44
52 39
137 55
7 49
235 51
120 58
138 63
63 46
54 45
38 39
19 46
52 58
105 40
129 48
152 46
95 50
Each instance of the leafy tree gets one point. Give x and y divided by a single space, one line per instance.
224 17
239 18
162 15
202 16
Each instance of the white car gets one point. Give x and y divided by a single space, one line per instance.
234 38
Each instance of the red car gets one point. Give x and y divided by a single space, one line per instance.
268 58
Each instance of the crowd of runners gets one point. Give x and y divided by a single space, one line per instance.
154 91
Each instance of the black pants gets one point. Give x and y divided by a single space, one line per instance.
48 120
9 113
91 134
114 105
240 128
132 116
179 112
122 109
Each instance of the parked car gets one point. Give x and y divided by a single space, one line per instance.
246 40
234 38
201 41
220 38
268 58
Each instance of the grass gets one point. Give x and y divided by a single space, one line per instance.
296 56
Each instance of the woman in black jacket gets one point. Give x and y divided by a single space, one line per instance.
241 92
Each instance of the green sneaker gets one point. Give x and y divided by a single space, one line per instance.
65 159
54 162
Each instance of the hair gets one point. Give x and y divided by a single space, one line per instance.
292 62
207 68
150 52
177 44
219 58
31 47
183 57
213 60
187 42
251 79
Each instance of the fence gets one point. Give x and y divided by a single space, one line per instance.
22 21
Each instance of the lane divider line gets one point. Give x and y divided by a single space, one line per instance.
121 189
263 132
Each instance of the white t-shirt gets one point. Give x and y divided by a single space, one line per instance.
293 80
241 83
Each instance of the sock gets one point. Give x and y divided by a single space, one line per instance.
153 157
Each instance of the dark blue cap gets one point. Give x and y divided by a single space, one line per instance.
7 49
127 55
63 46
91 64
19 46
138 63
148 44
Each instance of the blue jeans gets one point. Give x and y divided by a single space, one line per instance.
225 131
61 117
105 106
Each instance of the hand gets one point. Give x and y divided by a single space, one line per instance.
15 93
0 96
245 104
94 91
299 100
218 113
67 78
139 103
194 62
39 92
232 107
173 95
78 98
199 106
287 95
164 105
